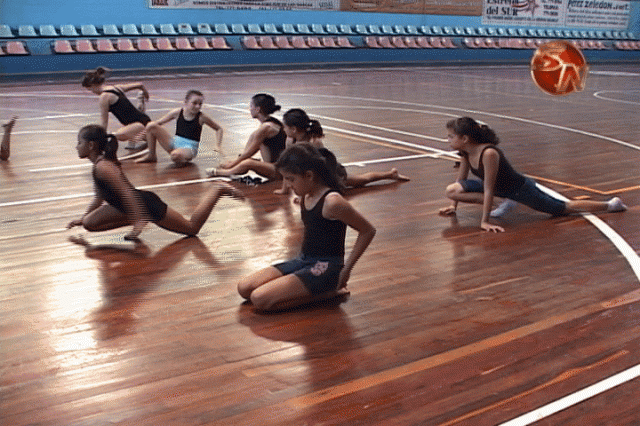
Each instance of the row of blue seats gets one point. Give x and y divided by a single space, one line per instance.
89 30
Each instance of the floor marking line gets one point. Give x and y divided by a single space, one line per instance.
585 188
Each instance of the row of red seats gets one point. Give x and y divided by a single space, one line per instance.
295 42
407 42
139 45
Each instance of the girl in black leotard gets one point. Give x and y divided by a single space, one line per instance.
479 154
183 147
269 139
114 100
117 203
321 271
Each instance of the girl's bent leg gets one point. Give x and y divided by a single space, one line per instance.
105 218
281 293
262 168
248 284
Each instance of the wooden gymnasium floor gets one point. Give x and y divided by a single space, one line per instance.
445 325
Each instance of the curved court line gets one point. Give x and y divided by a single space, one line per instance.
599 96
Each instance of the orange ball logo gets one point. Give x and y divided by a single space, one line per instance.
559 68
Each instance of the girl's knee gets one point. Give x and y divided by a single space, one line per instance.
453 190
245 290
261 300
180 158
89 224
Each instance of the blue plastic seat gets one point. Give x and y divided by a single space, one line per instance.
361 29
5 31
541 32
185 28
89 30
254 29
167 29
303 29
289 29
502 32
492 32
271 29
608 35
374 29
482 31
413 30
148 29
48 31
458 31
332 29
387 30
600 34
204 28
346 29
68 30
512 32
130 29
318 29
238 29
436 30
221 29
27 31
567 34
575 33
592 34
449 31
110 30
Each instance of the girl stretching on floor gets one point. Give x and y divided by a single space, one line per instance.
321 271
126 205
300 128
113 99
183 147
479 154
269 139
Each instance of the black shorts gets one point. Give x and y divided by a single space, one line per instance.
155 206
318 275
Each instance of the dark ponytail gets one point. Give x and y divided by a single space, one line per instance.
107 144
296 117
467 126
94 78
266 103
302 157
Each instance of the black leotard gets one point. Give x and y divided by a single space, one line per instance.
322 237
155 207
277 143
124 110
507 179
190 129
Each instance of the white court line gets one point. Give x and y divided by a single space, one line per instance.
600 387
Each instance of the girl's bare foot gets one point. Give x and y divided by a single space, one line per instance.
397 176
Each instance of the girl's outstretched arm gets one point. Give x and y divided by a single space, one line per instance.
171 115
253 145
205 119
337 208
490 159
135 86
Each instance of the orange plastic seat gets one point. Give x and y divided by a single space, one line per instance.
298 42
423 42
283 42
220 43
250 42
183 43
329 42
63 46
385 42
145 45
266 42
163 43
125 45
85 46
16 48
398 42
372 42
411 42
344 42
201 43
314 42
105 45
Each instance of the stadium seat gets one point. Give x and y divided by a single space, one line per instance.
254 29
426 30
5 31
470 31
221 29
289 29
470 42
219 43
130 29
436 42
303 29
592 34
16 48
512 32
283 42
148 29
329 42
332 29
502 32
238 29
530 43
250 42
48 31
436 30
183 43
374 29
482 31
318 29
204 28
271 29
413 30
145 45
459 31
314 42
398 42
84 46
385 42
448 43
110 30
185 29
345 43
163 43
104 45
167 29
399 29
89 30
387 30
423 42
63 46
68 30
266 42
201 43
298 42
125 45
2 51
27 31
345 29
372 42
575 33
361 29
411 42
